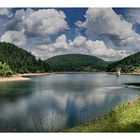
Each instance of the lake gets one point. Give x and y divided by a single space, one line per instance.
59 101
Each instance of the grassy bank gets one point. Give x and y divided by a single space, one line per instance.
124 118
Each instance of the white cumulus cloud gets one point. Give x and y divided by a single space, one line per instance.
98 48
79 40
107 36
105 25
104 21
5 12
42 22
80 44
16 37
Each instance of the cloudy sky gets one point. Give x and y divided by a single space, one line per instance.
110 34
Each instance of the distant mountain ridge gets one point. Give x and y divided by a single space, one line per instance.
21 61
128 64
76 62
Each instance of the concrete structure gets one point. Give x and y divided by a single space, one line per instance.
118 72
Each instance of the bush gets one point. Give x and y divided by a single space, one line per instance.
5 70
8 73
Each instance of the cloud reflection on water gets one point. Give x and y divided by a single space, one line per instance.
61 103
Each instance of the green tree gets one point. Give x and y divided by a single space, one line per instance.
21 61
128 64
76 62
5 70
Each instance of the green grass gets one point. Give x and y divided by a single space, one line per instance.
124 118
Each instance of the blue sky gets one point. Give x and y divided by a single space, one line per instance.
110 34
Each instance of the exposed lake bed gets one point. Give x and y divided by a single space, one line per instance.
21 77
58 101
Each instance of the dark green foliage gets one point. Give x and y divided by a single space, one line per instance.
76 62
21 61
5 70
128 64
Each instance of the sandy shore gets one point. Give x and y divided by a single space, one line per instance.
20 77
27 75
13 78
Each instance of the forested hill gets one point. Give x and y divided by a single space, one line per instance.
76 62
128 64
21 61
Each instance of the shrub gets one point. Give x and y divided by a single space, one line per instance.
5 70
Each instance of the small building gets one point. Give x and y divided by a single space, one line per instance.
118 71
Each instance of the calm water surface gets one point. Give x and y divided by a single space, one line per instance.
49 103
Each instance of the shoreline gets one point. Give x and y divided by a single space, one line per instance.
13 78
133 73
109 122
27 76
79 72
21 77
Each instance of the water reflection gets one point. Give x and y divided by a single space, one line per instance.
58 101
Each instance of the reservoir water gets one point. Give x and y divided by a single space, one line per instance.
59 101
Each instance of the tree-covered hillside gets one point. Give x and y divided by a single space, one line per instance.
76 62
128 64
21 61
